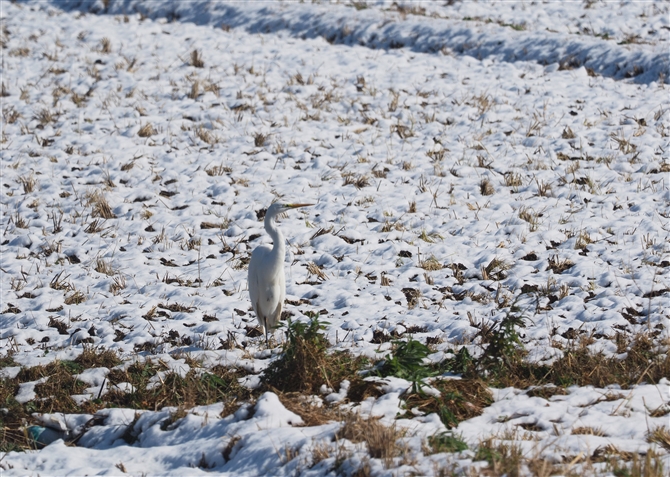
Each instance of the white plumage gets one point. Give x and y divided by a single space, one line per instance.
267 283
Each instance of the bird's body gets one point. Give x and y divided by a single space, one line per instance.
267 288
267 284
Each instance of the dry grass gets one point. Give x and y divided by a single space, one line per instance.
590 431
10 115
195 90
99 205
579 366
431 264
260 139
59 282
531 216
380 173
218 170
118 284
45 116
206 136
385 281
661 436
321 450
496 269
146 130
583 239
558 266
75 298
357 180
28 182
567 133
543 189
307 365
512 179
413 295
105 45
214 225
218 384
627 464
459 400
311 413
196 59
650 465
57 384
104 266
431 237
19 221
486 187
20 52
381 440
94 227
314 270
505 458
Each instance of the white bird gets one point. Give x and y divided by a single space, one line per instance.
267 284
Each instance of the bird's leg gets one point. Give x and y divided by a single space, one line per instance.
265 321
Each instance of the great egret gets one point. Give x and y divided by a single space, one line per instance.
267 284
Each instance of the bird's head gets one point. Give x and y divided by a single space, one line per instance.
281 207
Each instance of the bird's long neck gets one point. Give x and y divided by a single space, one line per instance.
278 242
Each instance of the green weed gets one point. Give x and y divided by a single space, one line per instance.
447 442
407 362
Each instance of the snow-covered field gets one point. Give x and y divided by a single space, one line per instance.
462 158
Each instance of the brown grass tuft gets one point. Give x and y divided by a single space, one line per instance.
358 181
146 130
195 90
558 266
98 358
486 188
260 139
206 136
381 440
20 52
459 399
529 215
431 264
589 431
28 182
311 414
75 298
45 116
512 179
10 115
503 457
495 270
314 270
105 45
218 170
103 266
196 59
580 366
661 436
99 205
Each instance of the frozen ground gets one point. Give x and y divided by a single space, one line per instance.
460 158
